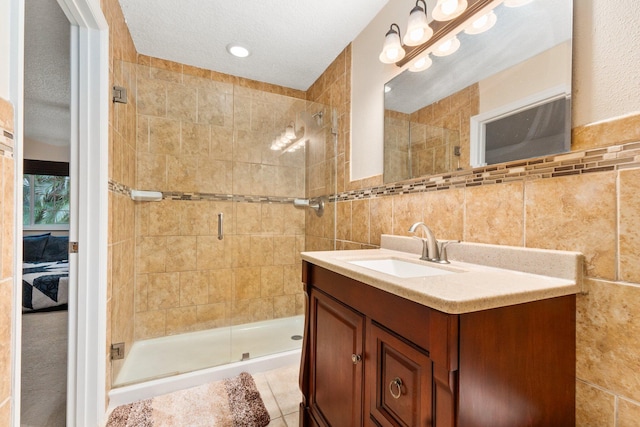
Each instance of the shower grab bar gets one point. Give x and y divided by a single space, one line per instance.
220 226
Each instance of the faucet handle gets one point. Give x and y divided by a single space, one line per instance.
425 248
442 250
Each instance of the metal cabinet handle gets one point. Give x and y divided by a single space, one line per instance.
220 226
395 384
355 358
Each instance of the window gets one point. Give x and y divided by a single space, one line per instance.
45 195
535 126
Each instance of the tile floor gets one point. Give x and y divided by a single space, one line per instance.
281 394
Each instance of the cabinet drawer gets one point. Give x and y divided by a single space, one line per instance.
401 391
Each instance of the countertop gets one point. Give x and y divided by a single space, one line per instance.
474 286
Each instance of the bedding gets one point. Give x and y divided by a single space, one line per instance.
45 273
44 285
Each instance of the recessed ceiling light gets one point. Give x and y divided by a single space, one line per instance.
237 50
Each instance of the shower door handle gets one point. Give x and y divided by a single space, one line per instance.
220 226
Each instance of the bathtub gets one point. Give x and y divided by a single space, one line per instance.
162 365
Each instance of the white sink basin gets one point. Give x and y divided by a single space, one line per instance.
399 268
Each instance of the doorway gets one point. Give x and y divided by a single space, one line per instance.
88 210
46 211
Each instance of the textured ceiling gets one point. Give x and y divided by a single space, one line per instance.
46 73
291 41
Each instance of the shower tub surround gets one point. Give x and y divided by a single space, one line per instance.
203 140
178 354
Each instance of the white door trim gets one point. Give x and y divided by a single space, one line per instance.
89 164
89 219
16 77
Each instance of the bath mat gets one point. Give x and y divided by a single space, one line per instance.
233 402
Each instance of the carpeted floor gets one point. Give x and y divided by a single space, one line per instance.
44 369
232 402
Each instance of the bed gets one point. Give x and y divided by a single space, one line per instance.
45 273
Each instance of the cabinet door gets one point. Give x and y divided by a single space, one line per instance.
337 367
401 392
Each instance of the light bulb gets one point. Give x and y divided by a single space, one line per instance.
446 10
392 50
449 6
479 23
418 30
447 47
289 133
416 34
482 24
421 64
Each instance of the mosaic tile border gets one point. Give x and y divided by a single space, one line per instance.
178 196
602 159
616 157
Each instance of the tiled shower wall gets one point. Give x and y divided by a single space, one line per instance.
187 153
7 166
435 132
122 172
203 140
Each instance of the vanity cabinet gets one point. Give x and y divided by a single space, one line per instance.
337 338
372 358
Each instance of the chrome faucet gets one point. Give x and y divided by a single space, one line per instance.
429 244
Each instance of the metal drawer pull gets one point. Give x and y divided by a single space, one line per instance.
220 227
355 358
397 382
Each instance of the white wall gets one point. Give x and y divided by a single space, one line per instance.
606 61
36 150
606 72
547 70
5 48
368 76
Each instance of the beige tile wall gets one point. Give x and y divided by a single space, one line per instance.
189 280
437 128
122 170
202 136
435 132
396 146
7 165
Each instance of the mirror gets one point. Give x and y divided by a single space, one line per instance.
504 95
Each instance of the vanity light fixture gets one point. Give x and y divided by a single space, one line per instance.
237 50
392 50
482 24
447 47
421 64
447 10
286 141
418 29
290 132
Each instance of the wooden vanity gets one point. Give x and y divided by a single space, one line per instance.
373 358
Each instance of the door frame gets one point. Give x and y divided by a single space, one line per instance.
87 354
